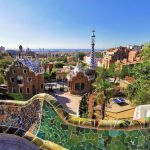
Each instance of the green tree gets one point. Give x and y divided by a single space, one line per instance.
83 107
16 96
139 91
80 55
46 76
63 59
102 85
102 96
98 54
2 80
59 65
125 71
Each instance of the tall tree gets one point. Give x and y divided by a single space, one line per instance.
102 96
139 91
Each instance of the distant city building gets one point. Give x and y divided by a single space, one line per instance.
123 54
135 47
30 54
61 73
2 49
48 67
132 55
87 59
71 60
25 76
100 62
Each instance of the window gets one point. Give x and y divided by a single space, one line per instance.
79 86
13 71
12 80
17 64
13 90
19 79
41 86
28 90
20 90
29 79
24 71
82 86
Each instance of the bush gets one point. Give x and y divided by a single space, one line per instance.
16 96
2 80
83 108
59 65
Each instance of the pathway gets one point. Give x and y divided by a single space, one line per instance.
69 101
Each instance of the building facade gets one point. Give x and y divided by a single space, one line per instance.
78 81
25 77
71 60
61 73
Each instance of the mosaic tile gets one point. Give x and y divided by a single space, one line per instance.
76 138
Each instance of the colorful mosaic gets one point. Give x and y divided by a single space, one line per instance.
17 137
78 138
47 125
20 115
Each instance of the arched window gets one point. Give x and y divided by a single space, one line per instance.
79 86
19 79
20 90
41 86
28 90
13 90
24 71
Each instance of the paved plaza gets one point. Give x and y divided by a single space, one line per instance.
68 101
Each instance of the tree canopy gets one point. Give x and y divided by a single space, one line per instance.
139 91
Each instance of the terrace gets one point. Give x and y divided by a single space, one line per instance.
74 133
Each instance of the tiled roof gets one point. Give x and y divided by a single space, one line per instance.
32 65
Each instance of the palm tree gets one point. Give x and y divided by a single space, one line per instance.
117 71
102 96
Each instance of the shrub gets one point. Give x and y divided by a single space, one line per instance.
16 96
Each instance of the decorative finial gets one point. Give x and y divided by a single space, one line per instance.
20 48
20 51
93 31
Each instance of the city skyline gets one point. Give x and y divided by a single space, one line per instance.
63 24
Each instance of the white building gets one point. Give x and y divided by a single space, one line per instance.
141 112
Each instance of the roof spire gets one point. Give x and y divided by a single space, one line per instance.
20 51
92 55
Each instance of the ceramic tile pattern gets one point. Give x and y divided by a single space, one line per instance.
76 138
70 134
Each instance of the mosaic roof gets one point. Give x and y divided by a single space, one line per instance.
33 65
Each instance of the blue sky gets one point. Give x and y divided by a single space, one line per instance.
68 23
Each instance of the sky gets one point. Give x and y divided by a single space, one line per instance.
68 23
